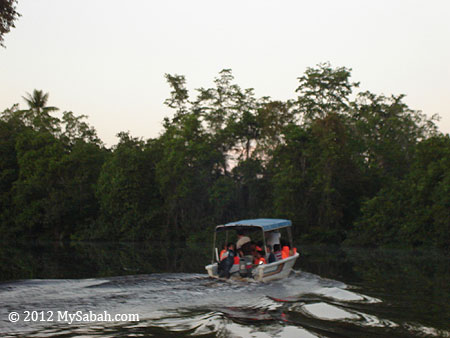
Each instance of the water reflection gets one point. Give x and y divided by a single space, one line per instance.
89 260
416 283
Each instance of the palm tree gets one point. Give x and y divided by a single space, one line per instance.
38 113
37 102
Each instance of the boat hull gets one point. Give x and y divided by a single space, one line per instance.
262 273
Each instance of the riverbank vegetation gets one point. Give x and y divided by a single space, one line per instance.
345 165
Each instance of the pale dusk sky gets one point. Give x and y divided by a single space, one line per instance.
107 58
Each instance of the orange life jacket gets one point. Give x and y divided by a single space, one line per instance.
258 261
285 252
222 253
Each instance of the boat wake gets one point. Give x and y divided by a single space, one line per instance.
303 305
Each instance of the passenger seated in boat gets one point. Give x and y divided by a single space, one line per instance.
277 252
242 239
227 261
223 251
259 258
247 249
285 251
270 257
259 246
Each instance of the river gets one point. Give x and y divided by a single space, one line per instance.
332 292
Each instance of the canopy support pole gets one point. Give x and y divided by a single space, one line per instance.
264 241
214 247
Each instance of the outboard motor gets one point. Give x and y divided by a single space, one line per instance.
245 266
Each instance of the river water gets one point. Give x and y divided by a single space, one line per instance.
331 293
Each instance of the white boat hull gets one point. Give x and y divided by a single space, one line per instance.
262 273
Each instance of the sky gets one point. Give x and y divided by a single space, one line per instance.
107 58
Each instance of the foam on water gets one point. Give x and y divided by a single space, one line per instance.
345 295
328 312
303 305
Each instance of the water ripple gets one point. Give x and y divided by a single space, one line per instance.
303 305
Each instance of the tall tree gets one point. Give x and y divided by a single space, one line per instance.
324 90
272 118
179 96
37 102
38 187
218 108
414 210
8 15
316 179
9 172
185 173
130 203
387 131
77 130
50 175
38 113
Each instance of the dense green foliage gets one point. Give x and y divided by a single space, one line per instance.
349 167
8 15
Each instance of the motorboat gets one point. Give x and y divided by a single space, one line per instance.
245 269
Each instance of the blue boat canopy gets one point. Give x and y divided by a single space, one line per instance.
266 224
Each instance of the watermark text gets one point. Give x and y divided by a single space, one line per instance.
71 317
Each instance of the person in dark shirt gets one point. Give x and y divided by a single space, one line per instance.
277 252
227 261
271 257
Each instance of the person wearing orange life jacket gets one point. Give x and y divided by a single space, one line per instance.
285 252
293 251
223 251
228 260
259 258
228 248
259 246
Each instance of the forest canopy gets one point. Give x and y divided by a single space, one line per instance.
345 165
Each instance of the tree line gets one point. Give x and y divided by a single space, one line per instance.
346 167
